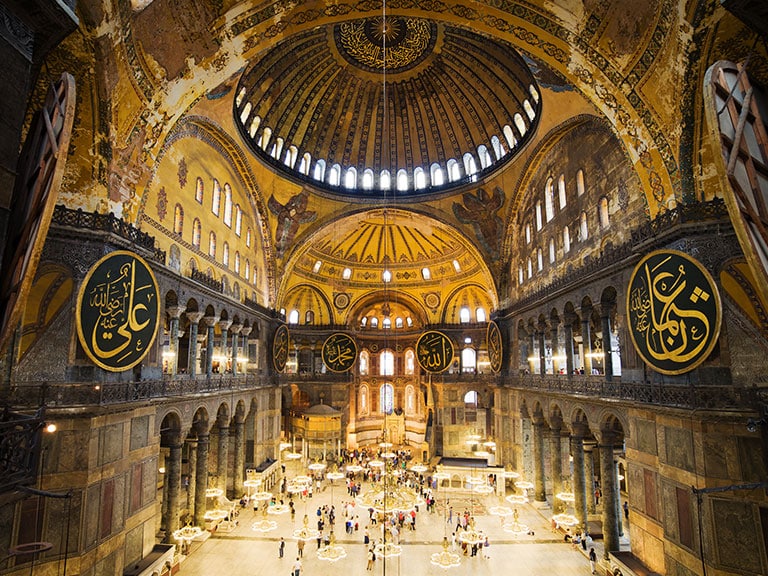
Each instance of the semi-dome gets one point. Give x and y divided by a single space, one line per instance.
382 106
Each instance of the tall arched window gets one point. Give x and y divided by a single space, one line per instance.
238 220
561 191
410 400
228 205
247 269
309 317
212 245
551 250
245 112
509 136
199 190
539 260
387 363
386 399
363 399
580 183
419 178
470 166
410 362
436 174
529 110
520 276
583 231
454 170
225 254
385 180
178 219
484 155
464 315
293 317
196 233
237 262
350 178
402 179
530 268
364 362
468 360
216 198
566 240
367 179
538 216
470 399
306 162
334 176
602 211
498 147
255 122
520 123
319 172
549 200
480 314
290 156
248 237
527 233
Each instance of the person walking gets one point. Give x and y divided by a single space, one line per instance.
592 560
626 509
300 545
371 558
297 567
281 547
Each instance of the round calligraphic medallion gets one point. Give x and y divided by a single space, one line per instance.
118 311
434 351
280 348
339 352
673 311
493 338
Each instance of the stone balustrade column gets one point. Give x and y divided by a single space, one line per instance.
210 323
174 312
589 461
234 330
194 318
201 476
239 464
607 350
568 326
586 341
224 327
579 479
609 484
542 350
173 482
244 334
192 468
540 486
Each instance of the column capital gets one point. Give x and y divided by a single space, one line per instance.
210 321
246 330
225 324
235 328
175 311
194 317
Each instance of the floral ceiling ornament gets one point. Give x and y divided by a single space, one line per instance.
162 204
182 173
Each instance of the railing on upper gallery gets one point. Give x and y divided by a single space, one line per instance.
70 394
670 394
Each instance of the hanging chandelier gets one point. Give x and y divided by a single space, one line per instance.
445 558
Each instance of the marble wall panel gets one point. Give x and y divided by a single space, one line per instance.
646 436
751 459
679 448
139 432
715 460
737 535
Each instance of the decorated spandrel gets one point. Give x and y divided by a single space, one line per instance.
493 338
280 348
673 311
339 352
118 311
434 351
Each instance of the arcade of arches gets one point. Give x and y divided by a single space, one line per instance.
298 173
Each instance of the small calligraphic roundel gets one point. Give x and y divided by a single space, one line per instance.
280 348
434 351
493 338
118 311
673 311
339 352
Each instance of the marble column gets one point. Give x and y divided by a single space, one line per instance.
244 334
556 463
618 498
609 485
581 497
192 468
239 464
553 336
174 313
224 327
222 455
194 318
531 347
201 475
540 487
607 351
234 330
173 482
568 327
542 350
586 340
210 323
589 470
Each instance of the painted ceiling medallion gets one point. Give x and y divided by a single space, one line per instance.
393 43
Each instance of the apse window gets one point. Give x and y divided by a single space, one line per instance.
464 316
387 399
387 363
386 276
293 317
346 274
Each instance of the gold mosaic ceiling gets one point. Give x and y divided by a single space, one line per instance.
361 107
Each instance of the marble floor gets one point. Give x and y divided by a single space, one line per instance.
246 552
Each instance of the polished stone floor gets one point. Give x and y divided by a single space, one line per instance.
245 552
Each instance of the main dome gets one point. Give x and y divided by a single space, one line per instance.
387 106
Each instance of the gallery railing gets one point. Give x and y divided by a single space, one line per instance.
68 394
688 396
